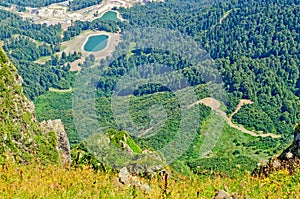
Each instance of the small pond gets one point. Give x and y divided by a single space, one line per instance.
110 16
96 43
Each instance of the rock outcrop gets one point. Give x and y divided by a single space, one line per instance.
21 137
128 179
289 159
148 163
223 195
63 145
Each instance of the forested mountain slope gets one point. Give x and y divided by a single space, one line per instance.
78 4
254 64
25 42
256 47
255 50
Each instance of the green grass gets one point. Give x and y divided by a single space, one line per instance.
131 48
62 48
117 136
232 152
60 91
43 59
57 105
228 143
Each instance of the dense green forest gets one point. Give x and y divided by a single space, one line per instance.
51 105
258 49
26 42
97 24
78 4
254 43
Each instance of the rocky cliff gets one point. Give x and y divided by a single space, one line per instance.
289 159
22 139
63 145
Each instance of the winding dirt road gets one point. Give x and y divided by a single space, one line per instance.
239 106
215 105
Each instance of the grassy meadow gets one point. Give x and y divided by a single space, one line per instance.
37 181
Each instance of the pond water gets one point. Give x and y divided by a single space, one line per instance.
110 16
96 43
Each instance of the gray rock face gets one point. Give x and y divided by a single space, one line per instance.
292 152
127 179
148 163
288 159
222 195
126 147
29 106
124 176
62 138
297 140
19 80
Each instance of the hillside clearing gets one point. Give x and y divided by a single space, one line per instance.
215 105
77 44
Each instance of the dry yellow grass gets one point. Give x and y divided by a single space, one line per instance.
36 181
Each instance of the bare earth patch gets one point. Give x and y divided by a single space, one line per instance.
239 106
225 16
